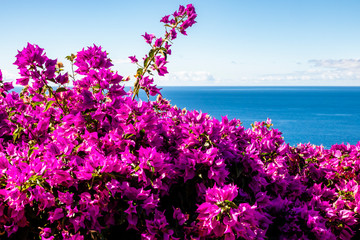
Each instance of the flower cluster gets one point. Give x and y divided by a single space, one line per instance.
33 64
92 162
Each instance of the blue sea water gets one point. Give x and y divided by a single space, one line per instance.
316 115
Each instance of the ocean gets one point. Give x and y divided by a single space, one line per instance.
317 115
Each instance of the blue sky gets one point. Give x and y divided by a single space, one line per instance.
235 42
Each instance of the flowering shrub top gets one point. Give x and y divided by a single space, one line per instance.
94 162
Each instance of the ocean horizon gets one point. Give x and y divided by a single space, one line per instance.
317 115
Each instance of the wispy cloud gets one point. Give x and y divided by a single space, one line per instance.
9 76
187 78
338 64
321 72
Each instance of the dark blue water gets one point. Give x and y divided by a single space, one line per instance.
319 115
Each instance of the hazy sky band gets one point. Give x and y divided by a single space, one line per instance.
233 43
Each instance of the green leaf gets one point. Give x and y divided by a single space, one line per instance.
146 61
76 148
48 105
128 135
164 51
61 89
17 132
31 150
71 57
231 204
12 114
164 54
151 53
36 104
140 71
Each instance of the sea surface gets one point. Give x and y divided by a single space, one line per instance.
316 115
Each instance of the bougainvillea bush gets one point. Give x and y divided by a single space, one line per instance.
93 161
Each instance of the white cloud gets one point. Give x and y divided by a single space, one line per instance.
9 76
339 64
321 72
199 78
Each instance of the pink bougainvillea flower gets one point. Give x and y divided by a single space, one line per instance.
91 58
167 47
146 81
132 216
160 65
30 55
165 19
179 216
173 33
46 234
56 215
181 10
158 42
8 86
62 78
23 81
133 59
148 37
